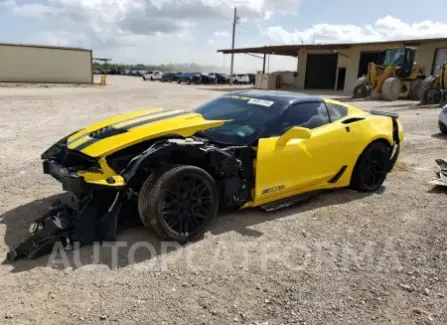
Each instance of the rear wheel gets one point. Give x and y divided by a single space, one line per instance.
391 89
371 168
432 96
180 203
415 86
426 84
362 91
360 81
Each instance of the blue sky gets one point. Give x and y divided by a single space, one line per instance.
163 31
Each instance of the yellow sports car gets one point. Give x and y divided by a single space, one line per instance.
243 149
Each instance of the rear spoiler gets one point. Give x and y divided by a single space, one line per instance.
394 116
390 114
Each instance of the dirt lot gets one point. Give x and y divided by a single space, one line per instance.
341 258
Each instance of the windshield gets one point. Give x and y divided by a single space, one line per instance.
394 57
248 116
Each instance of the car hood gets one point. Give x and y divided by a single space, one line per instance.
111 135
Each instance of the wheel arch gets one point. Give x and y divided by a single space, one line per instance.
379 139
382 140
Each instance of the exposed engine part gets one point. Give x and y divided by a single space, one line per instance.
185 142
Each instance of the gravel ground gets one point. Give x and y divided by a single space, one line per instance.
340 258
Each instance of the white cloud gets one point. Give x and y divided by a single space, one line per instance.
148 31
385 28
164 31
222 34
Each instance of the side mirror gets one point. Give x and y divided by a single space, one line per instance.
294 133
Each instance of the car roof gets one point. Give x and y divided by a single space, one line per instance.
278 95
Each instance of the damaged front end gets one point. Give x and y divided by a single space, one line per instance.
102 187
441 174
91 216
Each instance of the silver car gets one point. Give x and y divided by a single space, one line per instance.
442 120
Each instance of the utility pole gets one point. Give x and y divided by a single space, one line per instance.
235 21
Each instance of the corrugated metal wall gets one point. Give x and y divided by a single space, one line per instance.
47 65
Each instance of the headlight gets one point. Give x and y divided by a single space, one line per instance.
444 109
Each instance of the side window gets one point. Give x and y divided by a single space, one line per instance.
336 112
307 115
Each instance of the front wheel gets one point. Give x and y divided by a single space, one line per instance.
371 168
180 203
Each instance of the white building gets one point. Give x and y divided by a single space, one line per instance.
45 64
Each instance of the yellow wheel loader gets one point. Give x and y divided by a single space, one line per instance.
434 89
398 77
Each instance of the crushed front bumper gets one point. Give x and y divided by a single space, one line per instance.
71 182
441 174
93 218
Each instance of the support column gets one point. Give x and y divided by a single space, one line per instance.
263 64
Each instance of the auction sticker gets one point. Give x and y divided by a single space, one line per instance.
262 102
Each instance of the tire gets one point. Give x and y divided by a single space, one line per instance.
360 81
415 86
146 188
361 91
144 78
391 89
442 128
432 96
426 84
152 79
374 159
174 185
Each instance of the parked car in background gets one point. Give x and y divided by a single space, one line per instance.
221 78
169 77
208 79
442 120
153 75
241 79
196 79
186 77
252 78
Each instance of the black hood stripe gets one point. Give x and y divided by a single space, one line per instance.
124 121
155 119
128 127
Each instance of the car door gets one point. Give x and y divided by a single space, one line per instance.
302 164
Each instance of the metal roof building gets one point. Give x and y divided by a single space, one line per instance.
337 66
45 64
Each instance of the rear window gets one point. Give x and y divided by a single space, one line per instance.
336 111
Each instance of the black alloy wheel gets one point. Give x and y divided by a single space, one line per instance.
375 168
179 203
187 205
371 168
